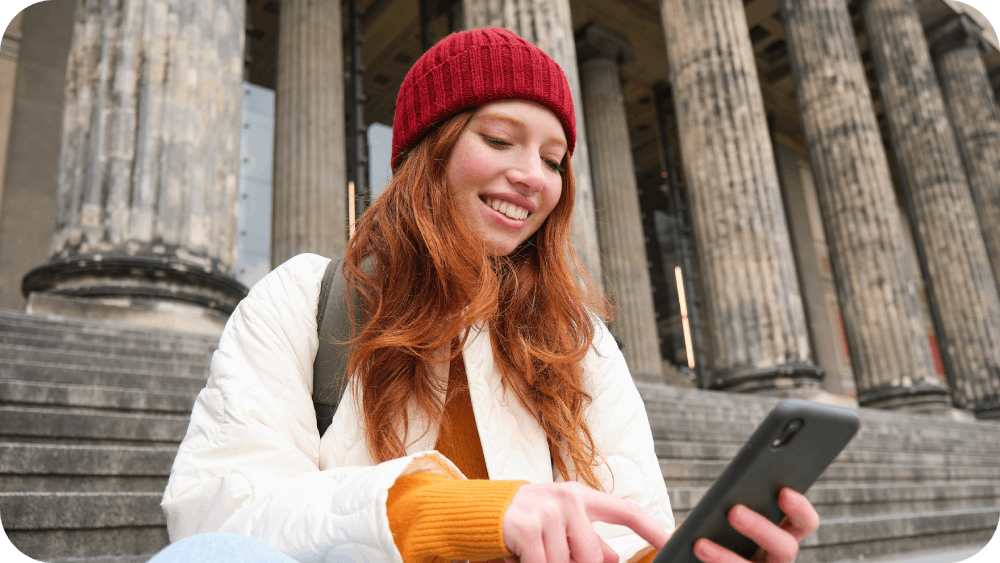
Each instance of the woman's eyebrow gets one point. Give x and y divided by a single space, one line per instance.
521 124
504 117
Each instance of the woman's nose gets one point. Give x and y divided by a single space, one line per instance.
528 173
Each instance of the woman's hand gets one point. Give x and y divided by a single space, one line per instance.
551 523
778 543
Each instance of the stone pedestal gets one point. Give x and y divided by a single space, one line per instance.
616 199
960 283
880 308
975 117
310 174
756 325
548 26
146 196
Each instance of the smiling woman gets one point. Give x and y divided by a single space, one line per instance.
490 412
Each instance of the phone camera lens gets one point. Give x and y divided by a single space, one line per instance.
787 433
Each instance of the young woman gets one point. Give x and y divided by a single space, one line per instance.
490 413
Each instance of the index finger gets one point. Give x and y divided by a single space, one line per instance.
604 507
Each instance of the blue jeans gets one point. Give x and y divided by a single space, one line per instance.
220 547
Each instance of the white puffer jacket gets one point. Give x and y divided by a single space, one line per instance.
252 461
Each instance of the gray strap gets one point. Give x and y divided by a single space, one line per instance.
334 329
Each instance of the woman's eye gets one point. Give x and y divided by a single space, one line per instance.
496 142
555 166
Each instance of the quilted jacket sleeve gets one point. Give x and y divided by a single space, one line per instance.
249 461
618 422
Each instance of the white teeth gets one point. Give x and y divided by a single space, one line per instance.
509 209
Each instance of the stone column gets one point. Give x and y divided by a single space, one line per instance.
616 199
956 50
880 308
757 327
548 25
146 197
960 283
310 166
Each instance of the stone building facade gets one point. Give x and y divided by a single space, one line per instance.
783 196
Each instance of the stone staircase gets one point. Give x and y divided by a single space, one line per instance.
91 415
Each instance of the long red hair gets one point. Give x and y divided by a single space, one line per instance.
430 278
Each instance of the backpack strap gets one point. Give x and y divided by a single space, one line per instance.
334 329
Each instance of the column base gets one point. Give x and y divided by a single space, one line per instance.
928 399
751 379
988 408
150 278
160 315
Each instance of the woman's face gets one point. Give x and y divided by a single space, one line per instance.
505 171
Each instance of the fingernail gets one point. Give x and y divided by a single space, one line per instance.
739 512
703 549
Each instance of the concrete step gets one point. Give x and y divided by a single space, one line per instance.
856 538
914 441
136 362
872 427
81 330
78 375
949 554
78 424
34 393
40 324
854 500
694 472
705 452
49 525
26 467
116 348
700 404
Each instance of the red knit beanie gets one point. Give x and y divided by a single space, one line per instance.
470 68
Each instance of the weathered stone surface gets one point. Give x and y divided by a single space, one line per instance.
881 311
616 198
549 26
310 175
756 323
50 544
976 120
147 179
960 282
903 472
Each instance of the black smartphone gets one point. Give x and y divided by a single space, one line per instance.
790 448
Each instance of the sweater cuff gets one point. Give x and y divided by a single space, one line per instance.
433 515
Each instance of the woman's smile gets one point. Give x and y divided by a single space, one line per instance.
509 210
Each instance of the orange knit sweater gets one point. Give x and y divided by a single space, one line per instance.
434 518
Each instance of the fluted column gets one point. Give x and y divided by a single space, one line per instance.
880 308
548 26
961 287
976 119
146 197
616 199
757 328
310 174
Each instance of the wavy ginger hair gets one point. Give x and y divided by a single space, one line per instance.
431 278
